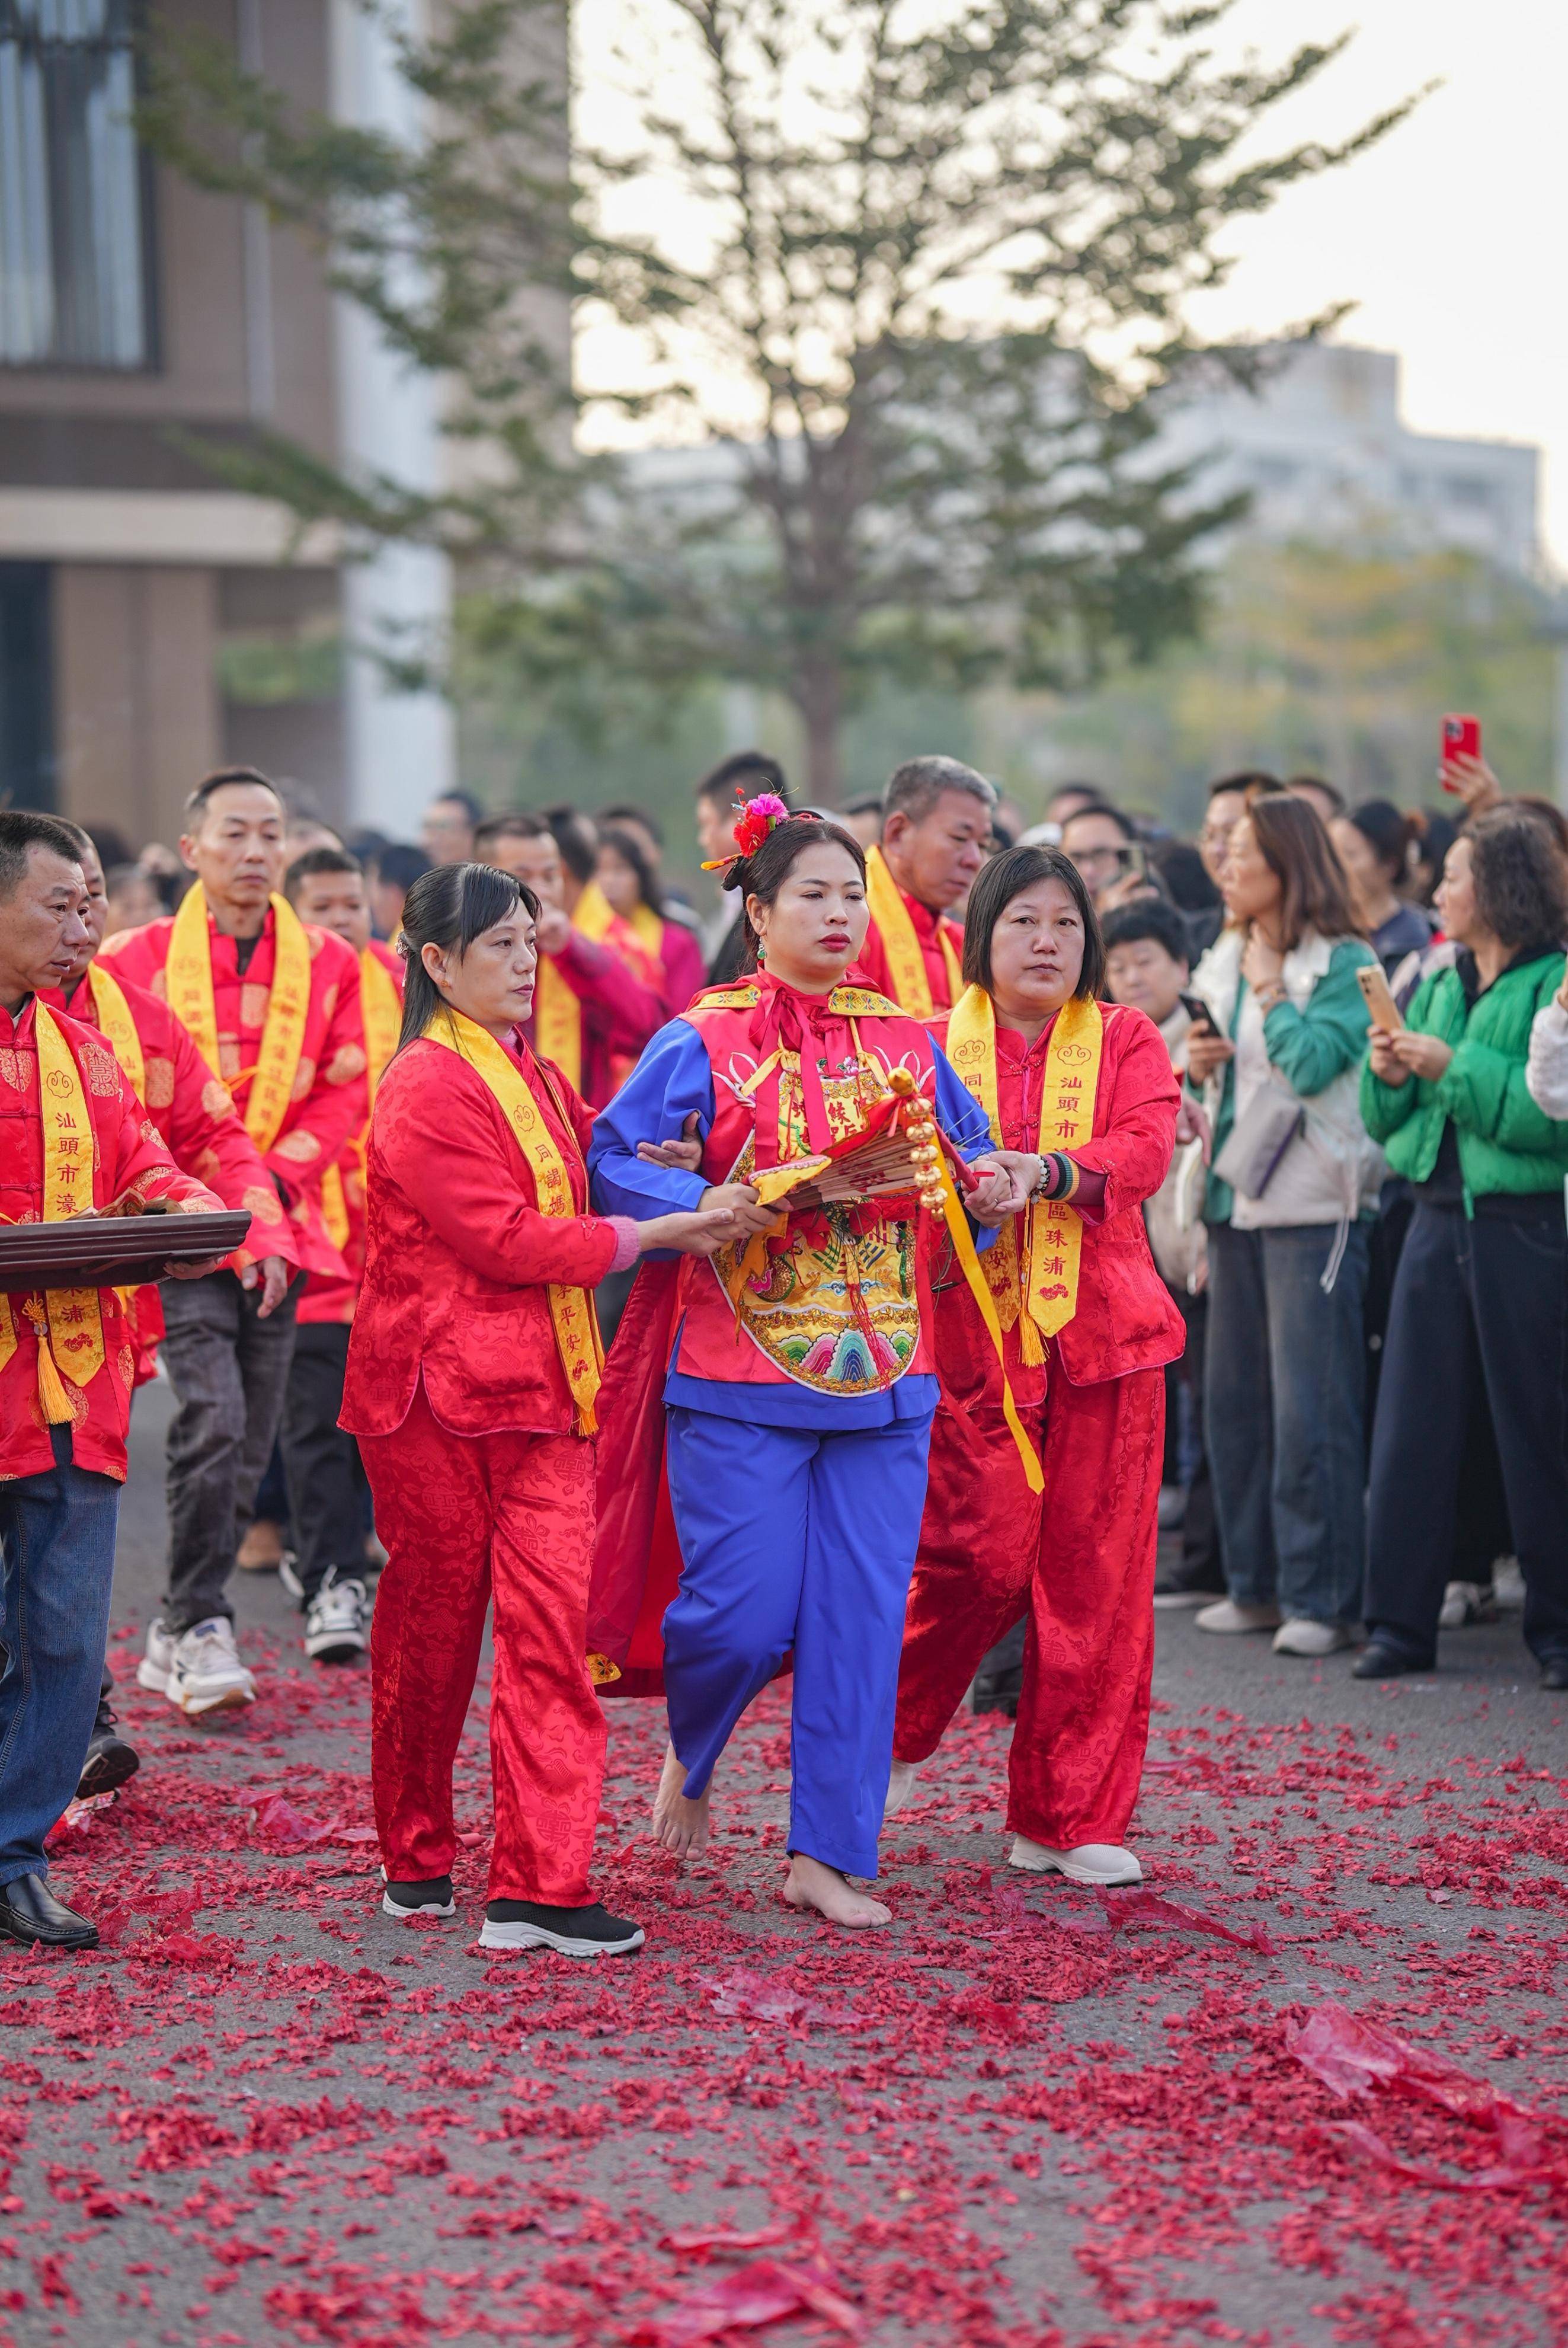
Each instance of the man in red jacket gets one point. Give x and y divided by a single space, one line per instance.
274 1010
73 1137
937 817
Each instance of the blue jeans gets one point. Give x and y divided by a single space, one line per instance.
1284 1404
56 1567
795 1538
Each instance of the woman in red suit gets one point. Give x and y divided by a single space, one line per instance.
472 1373
1088 1325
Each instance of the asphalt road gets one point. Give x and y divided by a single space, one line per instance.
266 2113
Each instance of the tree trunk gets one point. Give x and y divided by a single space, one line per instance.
818 694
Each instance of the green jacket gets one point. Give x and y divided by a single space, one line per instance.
1506 1145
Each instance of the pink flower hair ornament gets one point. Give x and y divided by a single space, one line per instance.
755 820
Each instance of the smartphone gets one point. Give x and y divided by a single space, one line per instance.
1198 1012
1461 739
1380 1003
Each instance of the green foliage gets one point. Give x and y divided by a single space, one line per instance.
899 277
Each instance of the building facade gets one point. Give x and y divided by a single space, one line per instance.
154 623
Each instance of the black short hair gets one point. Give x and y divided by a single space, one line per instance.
626 813
1124 823
864 803
1249 779
575 836
20 833
1386 831
517 823
450 905
743 775
1186 876
915 788
1150 918
318 859
400 864
1331 791
1006 877
197 804
465 800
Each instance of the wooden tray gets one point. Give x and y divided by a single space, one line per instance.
111 1250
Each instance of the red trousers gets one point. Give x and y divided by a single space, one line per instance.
465 1518
1080 1561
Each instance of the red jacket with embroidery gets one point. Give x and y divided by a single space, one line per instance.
458 1257
129 1154
929 929
619 1013
328 1101
328 1297
1125 1318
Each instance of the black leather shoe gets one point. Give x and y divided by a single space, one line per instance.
1379 1663
110 1760
1554 1672
29 1912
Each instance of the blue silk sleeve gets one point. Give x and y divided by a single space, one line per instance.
673 1078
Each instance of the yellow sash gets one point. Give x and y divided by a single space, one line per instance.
905 963
383 1013
190 982
595 915
571 1309
66 1322
558 1022
118 1027
1049 1284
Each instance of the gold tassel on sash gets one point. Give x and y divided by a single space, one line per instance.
571 1309
905 963
189 978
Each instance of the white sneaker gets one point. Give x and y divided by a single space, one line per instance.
900 1787
1465 1603
335 1620
1172 1507
1508 1585
1300 1636
1232 1614
154 1668
205 1673
1090 1862
288 1575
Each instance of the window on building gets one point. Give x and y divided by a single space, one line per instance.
26 731
1469 489
73 280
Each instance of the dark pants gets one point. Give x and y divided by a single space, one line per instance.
229 1369
57 1565
321 1463
1283 1415
1199 1566
1480 1315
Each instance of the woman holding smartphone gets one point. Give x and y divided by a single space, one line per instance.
1291 1193
1479 1308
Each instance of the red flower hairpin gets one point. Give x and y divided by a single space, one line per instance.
755 820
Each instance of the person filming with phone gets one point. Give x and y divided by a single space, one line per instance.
1480 1305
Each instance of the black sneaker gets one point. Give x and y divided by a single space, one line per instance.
110 1760
431 1898
572 1931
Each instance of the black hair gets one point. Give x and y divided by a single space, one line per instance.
577 840
197 804
1520 880
630 850
1331 791
1186 876
866 803
517 823
1006 877
400 864
465 800
20 833
1436 832
915 788
1124 823
318 859
450 906
744 774
763 873
1387 832
1151 918
627 813
1249 779
110 845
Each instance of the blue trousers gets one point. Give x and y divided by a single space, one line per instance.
57 1565
796 1537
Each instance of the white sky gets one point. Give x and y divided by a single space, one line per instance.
1449 237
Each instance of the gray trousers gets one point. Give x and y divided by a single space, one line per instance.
228 1370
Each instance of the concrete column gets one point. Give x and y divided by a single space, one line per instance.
138 721
401 747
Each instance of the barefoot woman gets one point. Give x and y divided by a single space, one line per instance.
472 1376
800 1390
1088 1325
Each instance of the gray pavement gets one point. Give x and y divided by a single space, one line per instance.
1021 2114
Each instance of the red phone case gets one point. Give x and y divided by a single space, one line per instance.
1461 739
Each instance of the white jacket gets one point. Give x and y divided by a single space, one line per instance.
1546 1069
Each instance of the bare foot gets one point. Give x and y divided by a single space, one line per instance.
900 1787
812 1885
682 1826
